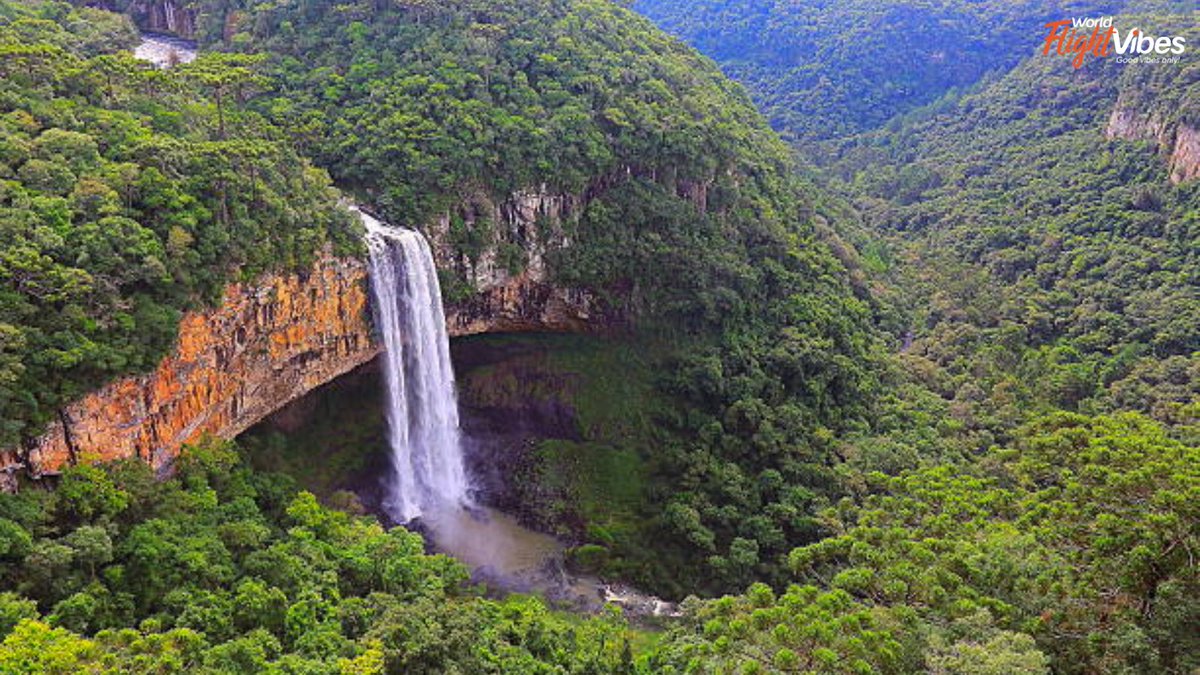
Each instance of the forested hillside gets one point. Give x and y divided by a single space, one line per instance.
1069 549
128 194
833 68
968 444
692 222
1049 267
1043 261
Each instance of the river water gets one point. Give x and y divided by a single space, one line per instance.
511 558
165 51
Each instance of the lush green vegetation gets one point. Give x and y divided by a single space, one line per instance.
1015 491
223 570
432 109
127 195
1046 267
827 69
689 221
1037 267
415 105
1072 549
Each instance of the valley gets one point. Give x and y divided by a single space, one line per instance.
666 337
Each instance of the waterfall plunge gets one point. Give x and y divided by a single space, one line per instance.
422 412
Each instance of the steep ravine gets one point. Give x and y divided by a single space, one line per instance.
528 409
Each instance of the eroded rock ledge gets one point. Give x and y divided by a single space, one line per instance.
1180 143
265 345
525 298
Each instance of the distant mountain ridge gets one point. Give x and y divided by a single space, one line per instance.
828 69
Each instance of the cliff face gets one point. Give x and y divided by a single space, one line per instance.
1180 143
163 16
265 345
273 341
1185 158
517 294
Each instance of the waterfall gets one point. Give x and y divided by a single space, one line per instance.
422 412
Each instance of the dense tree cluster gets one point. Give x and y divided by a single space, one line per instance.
1046 266
1073 549
223 570
1038 267
831 68
128 194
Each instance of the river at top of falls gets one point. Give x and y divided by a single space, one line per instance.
165 51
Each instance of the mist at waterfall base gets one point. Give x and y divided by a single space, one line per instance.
427 486
165 51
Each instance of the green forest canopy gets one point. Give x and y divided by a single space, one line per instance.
127 195
976 504
1047 266
1038 267
824 69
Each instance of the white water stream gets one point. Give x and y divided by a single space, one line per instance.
165 51
422 413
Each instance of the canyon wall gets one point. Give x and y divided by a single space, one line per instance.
272 341
266 344
162 16
1178 142
516 296
1185 158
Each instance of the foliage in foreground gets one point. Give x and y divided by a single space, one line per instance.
223 570
1073 549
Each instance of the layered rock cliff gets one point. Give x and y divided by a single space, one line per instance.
272 341
1179 142
161 16
1185 158
267 343
513 289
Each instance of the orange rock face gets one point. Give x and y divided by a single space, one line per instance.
267 344
272 341
1185 159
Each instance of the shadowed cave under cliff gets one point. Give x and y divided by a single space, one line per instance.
556 429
